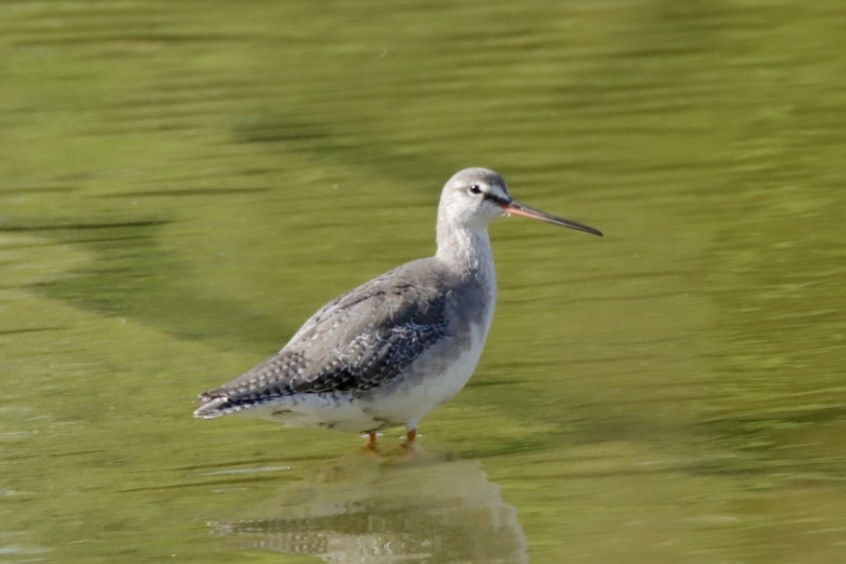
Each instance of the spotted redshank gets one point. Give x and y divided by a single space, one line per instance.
390 351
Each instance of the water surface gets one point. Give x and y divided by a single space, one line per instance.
182 183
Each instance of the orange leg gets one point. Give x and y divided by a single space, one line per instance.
410 435
371 440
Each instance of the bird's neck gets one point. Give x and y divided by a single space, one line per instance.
467 250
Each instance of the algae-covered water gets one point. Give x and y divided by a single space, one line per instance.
183 183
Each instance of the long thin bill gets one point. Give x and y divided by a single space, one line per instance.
516 208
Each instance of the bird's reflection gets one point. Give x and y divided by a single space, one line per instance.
420 506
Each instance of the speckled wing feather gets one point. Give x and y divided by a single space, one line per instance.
353 344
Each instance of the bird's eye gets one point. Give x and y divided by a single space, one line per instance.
475 189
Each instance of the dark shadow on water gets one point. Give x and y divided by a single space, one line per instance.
131 275
373 508
333 144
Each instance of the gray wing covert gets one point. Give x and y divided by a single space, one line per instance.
373 358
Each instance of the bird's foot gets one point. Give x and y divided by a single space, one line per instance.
371 441
410 435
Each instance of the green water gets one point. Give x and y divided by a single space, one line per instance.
183 183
